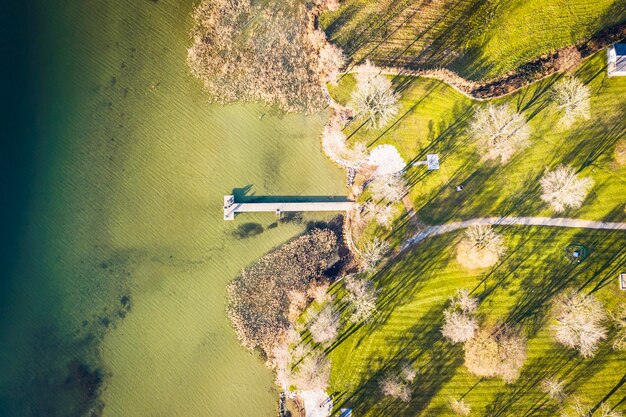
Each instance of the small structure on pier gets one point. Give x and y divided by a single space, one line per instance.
231 207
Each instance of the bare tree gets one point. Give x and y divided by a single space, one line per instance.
382 213
373 252
386 159
319 292
361 295
554 388
497 352
460 407
325 326
619 321
572 99
393 386
336 148
481 247
579 409
388 187
463 301
562 188
459 323
373 97
458 327
578 322
620 152
331 60
500 131
313 373
408 373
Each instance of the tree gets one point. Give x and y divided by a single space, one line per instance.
335 147
361 295
386 159
459 323
579 409
499 352
481 247
554 388
388 187
500 131
458 327
463 301
572 99
619 321
373 252
373 97
459 407
382 213
313 373
331 59
562 188
393 386
578 322
325 326
620 152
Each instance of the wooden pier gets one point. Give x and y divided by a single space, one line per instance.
231 207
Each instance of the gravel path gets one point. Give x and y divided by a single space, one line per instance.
429 231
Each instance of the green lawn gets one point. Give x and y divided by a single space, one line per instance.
415 286
477 38
413 293
433 119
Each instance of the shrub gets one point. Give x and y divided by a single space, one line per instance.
554 388
393 386
459 407
459 323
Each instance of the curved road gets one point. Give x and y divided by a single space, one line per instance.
429 231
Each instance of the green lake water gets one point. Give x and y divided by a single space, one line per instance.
117 258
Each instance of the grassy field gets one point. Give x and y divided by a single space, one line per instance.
433 118
477 38
414 287
413 293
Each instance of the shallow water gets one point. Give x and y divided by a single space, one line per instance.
119 280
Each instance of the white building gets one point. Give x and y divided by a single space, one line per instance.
616 57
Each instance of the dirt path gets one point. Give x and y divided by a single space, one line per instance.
429 231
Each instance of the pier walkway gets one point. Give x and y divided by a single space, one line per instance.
231 208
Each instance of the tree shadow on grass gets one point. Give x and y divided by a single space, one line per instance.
421 347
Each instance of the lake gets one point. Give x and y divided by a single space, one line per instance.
117 256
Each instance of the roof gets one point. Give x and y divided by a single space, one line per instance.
620 62
620 49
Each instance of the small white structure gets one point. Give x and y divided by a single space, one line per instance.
616 59
622 281
432 161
